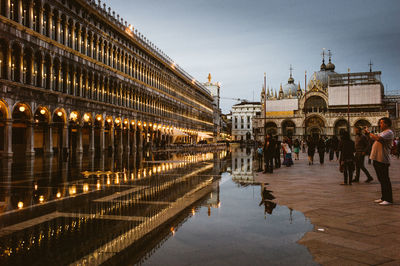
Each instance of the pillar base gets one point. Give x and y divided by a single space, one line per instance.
5 154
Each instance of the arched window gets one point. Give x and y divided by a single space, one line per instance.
105 55
14 10
88 45
45 29
36 12
25 13
27 67
77 37
15 62
2 60
47 73
62 31
69 33
55 75
95 49
54 19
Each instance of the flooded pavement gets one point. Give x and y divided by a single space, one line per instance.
173 209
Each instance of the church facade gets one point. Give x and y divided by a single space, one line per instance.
330 103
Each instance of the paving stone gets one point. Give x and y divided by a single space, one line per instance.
357 231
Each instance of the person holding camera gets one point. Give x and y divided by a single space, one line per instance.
380 154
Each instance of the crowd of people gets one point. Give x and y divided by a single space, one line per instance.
349 153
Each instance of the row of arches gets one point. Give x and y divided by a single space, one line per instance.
50 72
313 125
24 131
88 41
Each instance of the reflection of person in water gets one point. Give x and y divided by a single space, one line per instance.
267 198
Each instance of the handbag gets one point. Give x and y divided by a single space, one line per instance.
341 166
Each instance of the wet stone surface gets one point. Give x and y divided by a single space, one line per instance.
173 209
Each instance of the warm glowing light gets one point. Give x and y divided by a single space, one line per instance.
108 181
193 212
41 199
126 122
98 184
154 169
42 111
172 230
133 122
72 190
59 113
144 124
150 124
117 121
58 195
99 118
139 123
85 187
22 108
73 116
86 117
20 205
108 120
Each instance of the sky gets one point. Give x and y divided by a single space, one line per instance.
237 41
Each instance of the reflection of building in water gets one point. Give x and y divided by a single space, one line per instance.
104 207
242 165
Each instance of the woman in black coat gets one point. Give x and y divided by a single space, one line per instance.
311 150
347 150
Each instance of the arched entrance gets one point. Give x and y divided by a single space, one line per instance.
315 126
271 128
59 119
248 136
288 128
22 130
42 131
341 126
3 119
315 104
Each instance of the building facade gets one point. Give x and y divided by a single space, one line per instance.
75 77
214 88
242 120
330 103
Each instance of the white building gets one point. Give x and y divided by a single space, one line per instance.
214 90
242 120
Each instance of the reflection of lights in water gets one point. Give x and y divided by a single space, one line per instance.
150 172
144 172
85 187
72 190
138 175
154 169
159 169
98 184
41 199
193 212
163 167
219 204
132 176
36 186
117 180
108 180
20 205
58 195
172 230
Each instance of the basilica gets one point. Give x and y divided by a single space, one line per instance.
329 103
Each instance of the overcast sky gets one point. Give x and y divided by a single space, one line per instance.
237 41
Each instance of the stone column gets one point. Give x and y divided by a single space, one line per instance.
7 141
134 148
48 141
73 37
30 15
111 133
120 146
102 148
91 140
30 140
65 138
19 11
40 20
140 139
58 29
79 148
7 8
79 40
128 144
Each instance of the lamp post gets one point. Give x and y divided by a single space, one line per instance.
348 100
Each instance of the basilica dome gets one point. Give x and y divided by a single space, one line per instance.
290 89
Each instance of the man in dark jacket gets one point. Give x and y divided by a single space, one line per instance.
321 149
269 152
277 154
362 146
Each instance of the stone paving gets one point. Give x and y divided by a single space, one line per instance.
349 228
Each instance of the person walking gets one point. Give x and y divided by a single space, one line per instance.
311 150
260 157
296 149
380 155
361 144
321 149
347 149
277 154
269 151
287 153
